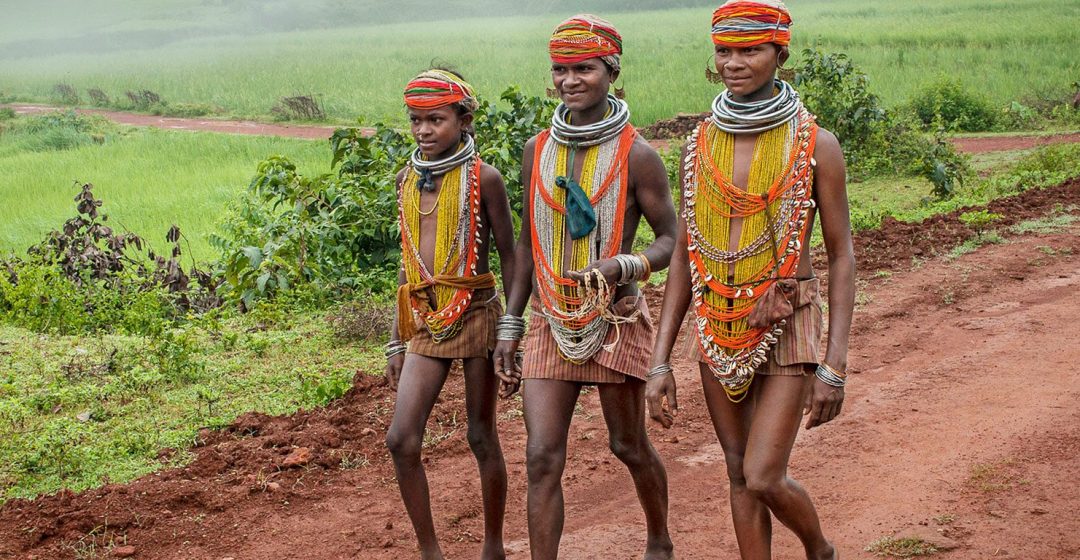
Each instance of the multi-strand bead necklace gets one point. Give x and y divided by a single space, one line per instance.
726 282
578 315
457 243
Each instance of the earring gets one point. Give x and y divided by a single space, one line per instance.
713 76
620 93
552 93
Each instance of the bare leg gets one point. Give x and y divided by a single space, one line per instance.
624 413
421 380
753 524
481 391
776 419
549 407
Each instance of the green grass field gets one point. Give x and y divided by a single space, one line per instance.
148 179
77 411
193 53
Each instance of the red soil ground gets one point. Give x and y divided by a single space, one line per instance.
960 426
661 133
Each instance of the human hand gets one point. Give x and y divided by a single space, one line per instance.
393 370
609 268
823 403
660 396
507 368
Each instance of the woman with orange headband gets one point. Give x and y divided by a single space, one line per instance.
451 206
589 180
757 174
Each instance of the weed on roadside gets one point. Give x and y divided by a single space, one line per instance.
900 548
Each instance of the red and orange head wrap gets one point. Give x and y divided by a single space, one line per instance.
439 88
586 36
745 23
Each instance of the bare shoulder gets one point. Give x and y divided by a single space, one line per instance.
827 149
530 144
643 154
491 180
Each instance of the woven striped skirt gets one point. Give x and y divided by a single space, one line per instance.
629 357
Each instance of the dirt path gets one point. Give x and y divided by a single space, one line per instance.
968 145
311 132
960 423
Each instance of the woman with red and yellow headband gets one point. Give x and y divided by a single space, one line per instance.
452 206
756 175
589 180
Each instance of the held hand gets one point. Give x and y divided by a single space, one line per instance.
506 367
608 267
823 403
657 391
393 370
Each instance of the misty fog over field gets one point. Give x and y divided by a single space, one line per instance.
86 26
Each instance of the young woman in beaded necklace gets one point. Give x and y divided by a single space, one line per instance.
754 174
451 206
589 180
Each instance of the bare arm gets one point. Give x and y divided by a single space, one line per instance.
676 302
520 288
654 198
393 364
830 192
497 213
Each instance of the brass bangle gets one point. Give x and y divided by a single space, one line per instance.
648 266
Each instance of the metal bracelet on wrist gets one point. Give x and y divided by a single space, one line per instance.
510 327
631 268
659 371
394 347
830 376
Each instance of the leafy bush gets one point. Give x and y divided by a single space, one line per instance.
874 141
87 278
839 95
947 104
6 113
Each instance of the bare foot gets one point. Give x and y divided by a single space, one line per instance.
493 551
660 550
828 552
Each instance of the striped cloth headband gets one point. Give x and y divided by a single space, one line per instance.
586 36
438 88
745 23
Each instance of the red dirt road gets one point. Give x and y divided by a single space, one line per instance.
315 132
960 422
311 132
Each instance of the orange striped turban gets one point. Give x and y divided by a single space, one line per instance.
438 88
745 23
586 36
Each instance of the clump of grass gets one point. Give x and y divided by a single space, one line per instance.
969 246
1046 224
992 477
901 548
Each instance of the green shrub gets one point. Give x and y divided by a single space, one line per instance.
874 141
947 104
85 278
839 95
7 113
